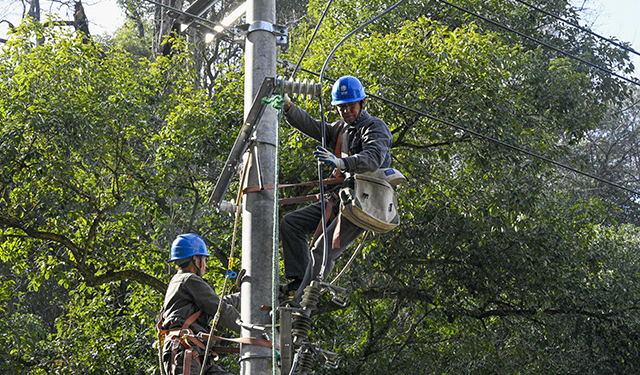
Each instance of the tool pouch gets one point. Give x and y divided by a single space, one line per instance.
369 201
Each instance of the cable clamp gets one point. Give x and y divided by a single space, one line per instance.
279 31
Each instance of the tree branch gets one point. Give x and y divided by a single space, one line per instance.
132 275
86 272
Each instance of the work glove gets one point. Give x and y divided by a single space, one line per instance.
325 156
287 101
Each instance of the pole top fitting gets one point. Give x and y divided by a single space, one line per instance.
281 32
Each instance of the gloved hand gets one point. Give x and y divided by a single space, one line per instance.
327 157
287 101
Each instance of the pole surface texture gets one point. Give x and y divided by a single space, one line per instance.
257 214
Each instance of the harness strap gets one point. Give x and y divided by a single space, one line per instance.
182 336
241 340
191 319
338 150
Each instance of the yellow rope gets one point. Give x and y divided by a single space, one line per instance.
230 272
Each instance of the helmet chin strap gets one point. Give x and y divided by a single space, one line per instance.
193 259
359 112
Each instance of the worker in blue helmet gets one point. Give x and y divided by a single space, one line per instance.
189 304
356 143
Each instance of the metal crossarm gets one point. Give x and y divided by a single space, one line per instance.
242 141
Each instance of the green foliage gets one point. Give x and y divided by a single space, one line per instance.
105 159
497 267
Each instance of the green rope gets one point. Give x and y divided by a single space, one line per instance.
277 102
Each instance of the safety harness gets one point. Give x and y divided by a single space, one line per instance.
185 337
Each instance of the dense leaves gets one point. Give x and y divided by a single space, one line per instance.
502 263
105 158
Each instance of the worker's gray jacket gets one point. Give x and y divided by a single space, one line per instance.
187 293
369 138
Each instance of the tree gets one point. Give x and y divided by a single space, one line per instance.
105 158
497 267
610 152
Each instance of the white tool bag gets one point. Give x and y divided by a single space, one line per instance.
371 202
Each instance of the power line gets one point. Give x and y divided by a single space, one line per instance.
635 82
315 31
496 141
584 29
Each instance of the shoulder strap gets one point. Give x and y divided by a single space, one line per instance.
342 144
191 319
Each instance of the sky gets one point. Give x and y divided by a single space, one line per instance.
614 18
104 15
609 18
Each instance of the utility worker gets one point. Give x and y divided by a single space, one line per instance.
188 306
363 144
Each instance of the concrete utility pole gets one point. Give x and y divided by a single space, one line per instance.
257 214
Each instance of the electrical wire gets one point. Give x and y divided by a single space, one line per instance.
515 148
208 23
324 131
584 29
496 141
567 54
315 31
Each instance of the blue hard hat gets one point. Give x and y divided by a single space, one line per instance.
187 245
347 89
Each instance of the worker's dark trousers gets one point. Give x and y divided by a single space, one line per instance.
294 230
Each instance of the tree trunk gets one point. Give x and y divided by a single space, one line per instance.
164 25
34 10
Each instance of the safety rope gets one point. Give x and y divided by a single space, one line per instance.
230 273
277 102
353 257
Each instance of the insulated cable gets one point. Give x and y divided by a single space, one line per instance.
515 148
635 82
324 132
315 31
496 141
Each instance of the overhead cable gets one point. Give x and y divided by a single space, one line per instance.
496 141
635 82
195 17
579 27
315 31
